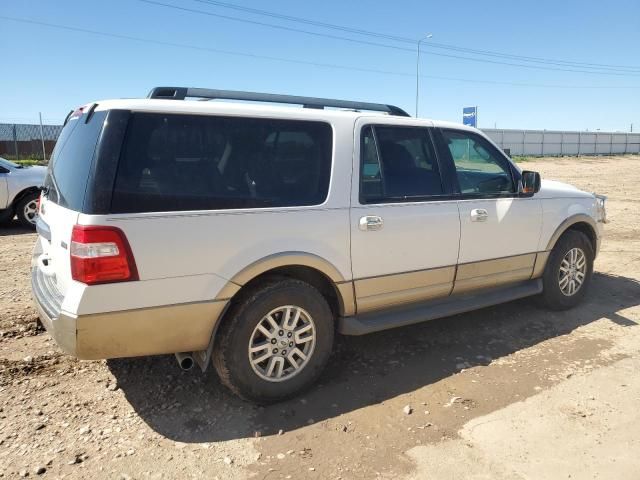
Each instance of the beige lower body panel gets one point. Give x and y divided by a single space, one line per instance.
346 298
62 329
147 331
540 264
493 273
386 291
188 327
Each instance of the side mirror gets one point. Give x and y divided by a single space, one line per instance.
530 182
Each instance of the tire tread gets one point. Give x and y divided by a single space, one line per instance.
20 209
223 343
551 296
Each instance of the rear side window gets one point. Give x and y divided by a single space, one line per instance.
71 160
398 163
191 162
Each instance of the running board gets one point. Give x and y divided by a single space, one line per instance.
416 313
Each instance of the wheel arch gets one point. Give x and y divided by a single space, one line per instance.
580 222
307 267
304 266
21 194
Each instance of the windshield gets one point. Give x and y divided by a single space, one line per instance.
7 164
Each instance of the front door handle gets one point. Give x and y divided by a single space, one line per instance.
370 223
479 215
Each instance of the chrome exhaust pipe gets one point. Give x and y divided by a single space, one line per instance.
185 360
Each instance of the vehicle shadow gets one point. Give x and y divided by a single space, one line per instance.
14 227
195 407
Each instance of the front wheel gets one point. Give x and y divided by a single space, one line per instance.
27 210
568 271
275 342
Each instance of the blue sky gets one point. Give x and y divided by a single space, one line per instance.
51 70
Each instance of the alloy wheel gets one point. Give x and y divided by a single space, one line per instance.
282 343
572 273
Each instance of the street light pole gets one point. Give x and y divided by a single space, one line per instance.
418 69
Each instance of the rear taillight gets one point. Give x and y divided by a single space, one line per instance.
101 255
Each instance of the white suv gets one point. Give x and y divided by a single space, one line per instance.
247 234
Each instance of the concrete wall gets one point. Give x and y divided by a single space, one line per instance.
554 142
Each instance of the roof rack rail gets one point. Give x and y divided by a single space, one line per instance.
180 93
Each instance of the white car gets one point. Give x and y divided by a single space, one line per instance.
19 191
246 235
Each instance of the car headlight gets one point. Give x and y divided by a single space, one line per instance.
601 208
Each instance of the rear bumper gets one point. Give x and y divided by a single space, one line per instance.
48 301
183 327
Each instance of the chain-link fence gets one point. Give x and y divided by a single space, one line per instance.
24 141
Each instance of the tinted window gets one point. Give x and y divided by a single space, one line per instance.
71 160
370 178
479 167
398 163
188 162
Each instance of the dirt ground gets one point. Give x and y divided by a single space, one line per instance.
512 391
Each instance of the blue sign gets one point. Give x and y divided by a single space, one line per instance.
470 116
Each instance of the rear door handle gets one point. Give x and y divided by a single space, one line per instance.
370 223
479 215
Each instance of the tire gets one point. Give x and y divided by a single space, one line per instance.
24 210
557 294
254 381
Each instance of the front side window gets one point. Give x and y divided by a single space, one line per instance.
190 162
397 163
479 168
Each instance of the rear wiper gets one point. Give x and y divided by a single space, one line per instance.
46 190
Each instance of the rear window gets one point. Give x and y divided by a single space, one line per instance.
191 162
71 160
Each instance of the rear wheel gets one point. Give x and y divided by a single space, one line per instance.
27 210
568 271
275 342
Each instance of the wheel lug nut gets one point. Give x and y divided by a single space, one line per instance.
291 344
281 333
284 352
289 334
275 350
273 341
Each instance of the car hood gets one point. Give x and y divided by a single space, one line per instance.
554 189
35 172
